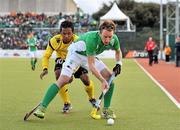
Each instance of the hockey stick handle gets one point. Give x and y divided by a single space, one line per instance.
109 82
104 91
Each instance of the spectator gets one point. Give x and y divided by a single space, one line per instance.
150 44
167 51
155 54
177 51
16 26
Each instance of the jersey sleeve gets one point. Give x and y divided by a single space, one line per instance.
90 47
36 40
27 41
48 52
116 43
75 37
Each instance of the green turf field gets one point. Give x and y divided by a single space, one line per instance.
138 103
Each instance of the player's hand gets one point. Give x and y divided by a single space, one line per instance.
104 85
117 69
45 72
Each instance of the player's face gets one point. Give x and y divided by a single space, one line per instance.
150 39
106 36
67 34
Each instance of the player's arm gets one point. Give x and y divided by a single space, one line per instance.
118 57
45 60
91 64
90 52
146 46
27 43
37 43
154 45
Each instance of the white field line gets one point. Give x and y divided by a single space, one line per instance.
161 87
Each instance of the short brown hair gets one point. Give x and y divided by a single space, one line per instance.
107 25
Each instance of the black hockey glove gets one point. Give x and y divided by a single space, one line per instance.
117 69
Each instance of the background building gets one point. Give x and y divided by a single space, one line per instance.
38 6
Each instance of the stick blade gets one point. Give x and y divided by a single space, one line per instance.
26 117
31 112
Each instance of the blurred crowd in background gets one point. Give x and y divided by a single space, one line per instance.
15 27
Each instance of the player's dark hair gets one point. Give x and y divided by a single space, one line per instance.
67 24
107 25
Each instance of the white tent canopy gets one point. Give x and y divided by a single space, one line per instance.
116 14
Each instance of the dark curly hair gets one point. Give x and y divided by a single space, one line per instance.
67 24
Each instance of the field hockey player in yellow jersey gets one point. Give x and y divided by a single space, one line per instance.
59 43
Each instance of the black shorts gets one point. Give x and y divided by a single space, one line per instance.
79 72
58 65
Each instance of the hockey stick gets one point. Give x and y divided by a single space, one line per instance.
98 102
104 91
30 112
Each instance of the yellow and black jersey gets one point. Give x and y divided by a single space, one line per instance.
56 44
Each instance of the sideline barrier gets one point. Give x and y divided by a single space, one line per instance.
106 54
142 54
18 53
26 54
136 54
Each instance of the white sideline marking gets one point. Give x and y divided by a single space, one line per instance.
161 87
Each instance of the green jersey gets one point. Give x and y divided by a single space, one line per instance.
32 42
94 45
